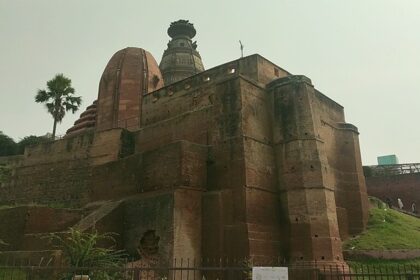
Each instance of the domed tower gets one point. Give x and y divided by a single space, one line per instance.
181 59
130 74
87 120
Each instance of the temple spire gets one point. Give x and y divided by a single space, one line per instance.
181 59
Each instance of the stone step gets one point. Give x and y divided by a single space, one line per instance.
96 215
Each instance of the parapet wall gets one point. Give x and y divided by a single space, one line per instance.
96 148
77 182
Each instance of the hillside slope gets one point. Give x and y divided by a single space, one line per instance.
387 229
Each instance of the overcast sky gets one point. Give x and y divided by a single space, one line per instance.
364 54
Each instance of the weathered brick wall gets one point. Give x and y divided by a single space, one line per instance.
60 184
306 184
67 149
187 224
61 173
263 211
179 164
75 183
233 116
208 113
404 186
45 219
341 146
12 227
350 191
21 224
268 71
11 160
153 212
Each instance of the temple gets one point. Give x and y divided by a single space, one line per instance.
241 160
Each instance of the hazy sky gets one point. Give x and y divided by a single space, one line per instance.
364 54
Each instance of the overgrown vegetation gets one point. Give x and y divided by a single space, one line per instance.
8 146
387 229
29 141
82 250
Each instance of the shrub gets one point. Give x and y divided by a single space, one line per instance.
81 250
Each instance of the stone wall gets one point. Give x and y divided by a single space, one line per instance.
163 225
26 223
307 188
75 183
263 211
56 184
404 186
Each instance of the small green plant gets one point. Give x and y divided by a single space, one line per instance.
81 250
247 265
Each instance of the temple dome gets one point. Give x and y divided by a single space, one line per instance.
129 74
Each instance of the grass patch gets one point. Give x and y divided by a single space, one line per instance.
11 273
387 229
388 263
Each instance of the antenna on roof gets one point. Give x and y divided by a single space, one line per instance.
242 49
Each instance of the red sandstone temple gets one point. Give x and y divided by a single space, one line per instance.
241 160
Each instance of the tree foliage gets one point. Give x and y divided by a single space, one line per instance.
8 146
58 98
29 141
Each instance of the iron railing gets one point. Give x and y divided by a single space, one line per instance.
391 169
186 269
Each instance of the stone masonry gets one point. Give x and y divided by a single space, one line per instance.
241 160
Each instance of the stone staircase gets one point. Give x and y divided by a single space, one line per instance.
90 220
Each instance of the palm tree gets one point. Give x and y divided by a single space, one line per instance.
58 98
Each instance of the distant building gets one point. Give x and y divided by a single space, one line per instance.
387 160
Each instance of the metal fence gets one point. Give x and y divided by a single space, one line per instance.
391 169
192 270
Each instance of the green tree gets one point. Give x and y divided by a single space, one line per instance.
8 146
28 141
58 98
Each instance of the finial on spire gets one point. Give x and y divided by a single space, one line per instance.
181 28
